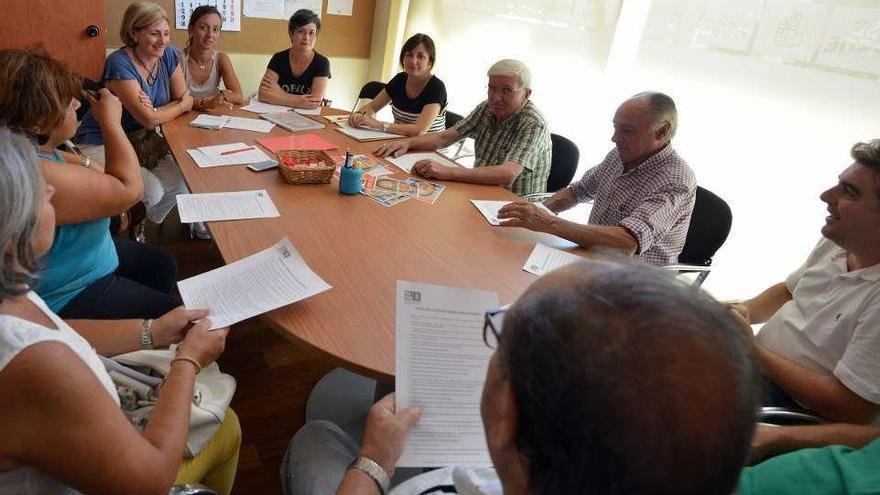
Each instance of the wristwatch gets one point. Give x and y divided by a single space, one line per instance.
147 334
385 126
85 161
372 469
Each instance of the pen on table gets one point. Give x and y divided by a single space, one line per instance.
238 150
347 163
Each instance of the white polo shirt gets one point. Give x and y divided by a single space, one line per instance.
832 323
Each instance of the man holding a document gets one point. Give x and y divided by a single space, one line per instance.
587 392
512 138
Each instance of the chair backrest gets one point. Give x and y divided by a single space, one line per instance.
709 227
563 162
452 118
368 91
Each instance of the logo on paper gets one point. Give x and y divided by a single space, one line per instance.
412 296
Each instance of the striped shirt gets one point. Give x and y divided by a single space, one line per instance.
407 110
653 201
522 138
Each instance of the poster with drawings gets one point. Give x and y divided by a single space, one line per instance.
790 29
229 9
852 40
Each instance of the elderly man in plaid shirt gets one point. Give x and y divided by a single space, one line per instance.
512 140
643 192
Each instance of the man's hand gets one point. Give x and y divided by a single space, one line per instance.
430 169
526 215
171 327
386 431
741 312
393 148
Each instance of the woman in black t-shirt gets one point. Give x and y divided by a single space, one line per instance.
297 77
418 98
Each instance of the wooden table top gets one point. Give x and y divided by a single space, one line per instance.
360 247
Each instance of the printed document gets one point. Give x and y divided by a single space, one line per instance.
441 363
227 154
545 259
257 106
406 162
489 209
239 205
364 134
215 122
264 281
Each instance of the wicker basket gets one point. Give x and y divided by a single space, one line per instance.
314 174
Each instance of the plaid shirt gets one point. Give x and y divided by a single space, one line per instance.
653 201
523 138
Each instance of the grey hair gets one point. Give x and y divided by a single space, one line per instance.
511 67
662 110
19 199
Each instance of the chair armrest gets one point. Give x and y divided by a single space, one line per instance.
191 489
685 268
788 417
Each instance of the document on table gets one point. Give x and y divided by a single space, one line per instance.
215 122
406 162
207 121
308 111
227 154
365 134
257 106
489 209
545 259
238 205
441 363
264 281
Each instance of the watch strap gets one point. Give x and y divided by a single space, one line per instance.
372 469
147 334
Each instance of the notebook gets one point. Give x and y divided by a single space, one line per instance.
296 142
293 121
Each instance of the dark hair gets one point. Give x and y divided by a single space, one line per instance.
302 17
198 13
416 40
868 154
35 91
628 382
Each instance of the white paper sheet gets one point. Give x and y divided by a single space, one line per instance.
230 10
406 162
257 106
207 121
339 7
266 9
308 111
545 259
212 156
291 6
264 281
441 363
365 134
489 209
238 205
245 124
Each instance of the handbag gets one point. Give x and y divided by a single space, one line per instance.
139 377
149 146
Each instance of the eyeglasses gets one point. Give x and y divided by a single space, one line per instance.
305 33
504 90
493 320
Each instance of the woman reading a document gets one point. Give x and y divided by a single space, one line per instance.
417 97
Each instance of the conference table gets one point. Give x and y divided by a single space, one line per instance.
361 248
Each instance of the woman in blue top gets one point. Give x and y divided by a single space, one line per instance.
146 76
88 274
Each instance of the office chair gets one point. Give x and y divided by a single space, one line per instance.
369 91
709 227
784 416
461 151
191 489
564 157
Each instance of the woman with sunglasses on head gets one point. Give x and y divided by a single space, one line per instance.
205 67
417 97
297 77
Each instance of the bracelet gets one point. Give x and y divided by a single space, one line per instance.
85 161
147 334
372 469
188 360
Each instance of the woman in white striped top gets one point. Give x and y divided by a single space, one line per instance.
417 97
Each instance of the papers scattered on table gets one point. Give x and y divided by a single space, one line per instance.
389 192
308 111
364 134
441 363
545 259
293 121
206 121
296 142
337 119
239 205
264 281
489 209
369 165
257 106
227 154
406 162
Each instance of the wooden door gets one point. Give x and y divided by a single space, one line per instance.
70 30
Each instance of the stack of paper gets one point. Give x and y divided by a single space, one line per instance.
257 106
545 259
296 142
227 154
489 209
364 134
406 162
238 205
206 121
293 121
264 281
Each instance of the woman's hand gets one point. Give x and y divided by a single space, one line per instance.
356 119
107 109
203 345
172 327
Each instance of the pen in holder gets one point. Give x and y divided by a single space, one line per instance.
349 177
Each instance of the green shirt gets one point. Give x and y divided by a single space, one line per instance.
825 471
523 138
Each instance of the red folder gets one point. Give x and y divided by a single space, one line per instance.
296 142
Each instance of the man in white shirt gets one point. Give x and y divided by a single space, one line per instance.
820 345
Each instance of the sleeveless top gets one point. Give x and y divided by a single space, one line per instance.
81 254
211 86
17 335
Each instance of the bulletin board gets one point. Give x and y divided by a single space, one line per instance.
341 35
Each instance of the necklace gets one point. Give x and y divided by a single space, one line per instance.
152 73
202 65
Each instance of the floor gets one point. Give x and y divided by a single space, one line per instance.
274 376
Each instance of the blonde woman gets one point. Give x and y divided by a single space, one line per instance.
205 67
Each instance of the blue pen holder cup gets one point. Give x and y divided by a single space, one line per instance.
350 180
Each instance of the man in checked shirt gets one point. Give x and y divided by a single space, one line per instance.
643 192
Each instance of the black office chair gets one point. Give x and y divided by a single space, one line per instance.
709 227
452 118
368 92
563 162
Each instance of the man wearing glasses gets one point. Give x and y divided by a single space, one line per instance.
513 148
608 377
